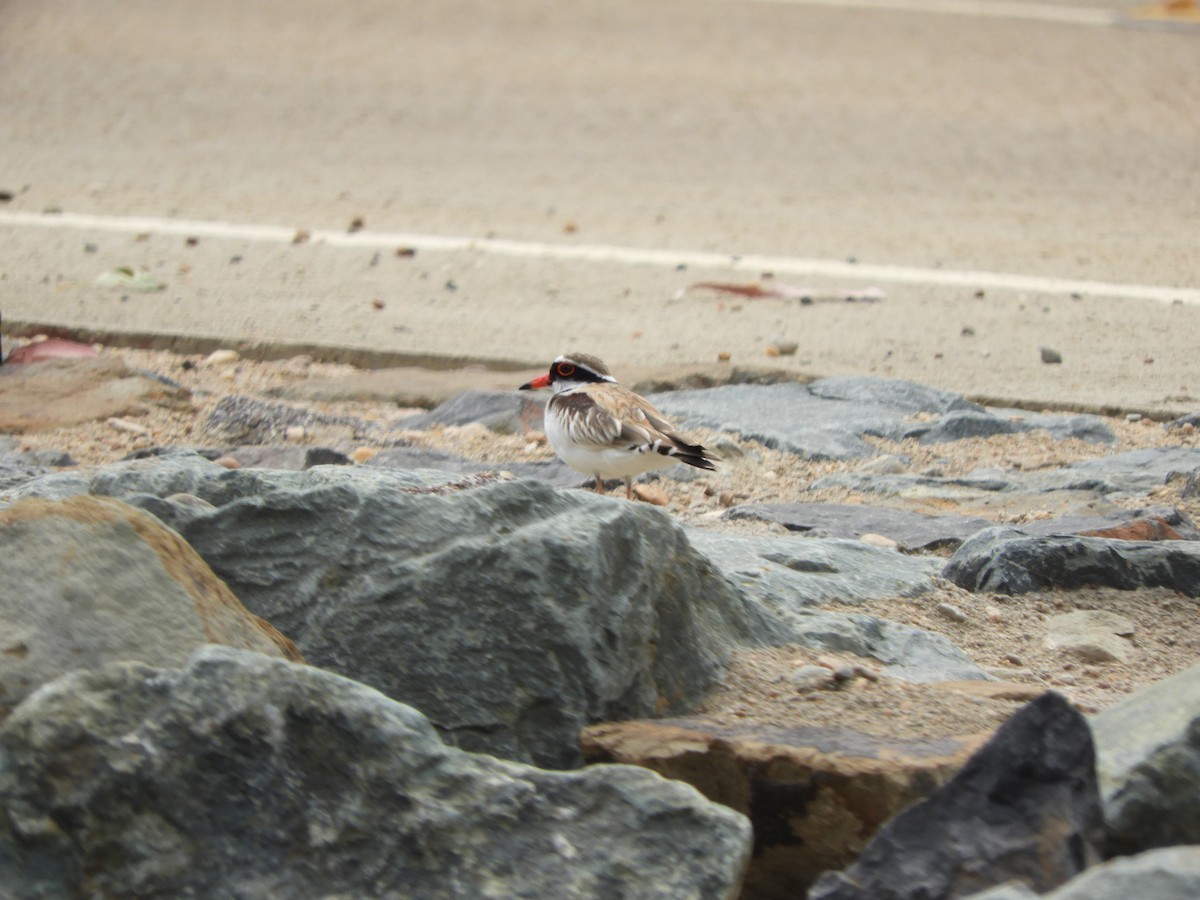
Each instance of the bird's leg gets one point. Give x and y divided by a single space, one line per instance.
599 484
629 488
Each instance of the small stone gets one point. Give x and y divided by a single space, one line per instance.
228 462
1051 356
951 612
377 303
295 433
725 498
1014 659
723 357
879 540
185 499
844 674
885 465
808 678
127 427
222 357
1133 417
301 236
363 454
651 493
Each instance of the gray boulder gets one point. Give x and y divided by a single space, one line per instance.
792 573
248 420
242 776
1148 761
907 397
957 425
511 614
787 417
88 581
1168 874
505 412
553 471
790 578
1025 807
1009 561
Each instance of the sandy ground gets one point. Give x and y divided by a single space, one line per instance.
1006 635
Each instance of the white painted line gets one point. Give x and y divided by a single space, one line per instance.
609 253
985 9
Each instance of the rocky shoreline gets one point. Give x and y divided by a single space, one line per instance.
874 559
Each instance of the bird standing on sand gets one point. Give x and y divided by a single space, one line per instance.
605 430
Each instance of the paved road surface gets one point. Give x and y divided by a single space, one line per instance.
1003 139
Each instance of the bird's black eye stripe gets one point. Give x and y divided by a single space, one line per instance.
565 370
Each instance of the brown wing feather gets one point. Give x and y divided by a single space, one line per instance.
608 415
589 423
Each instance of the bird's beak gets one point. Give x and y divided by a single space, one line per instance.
541 381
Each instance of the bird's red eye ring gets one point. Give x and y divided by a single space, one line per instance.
565 370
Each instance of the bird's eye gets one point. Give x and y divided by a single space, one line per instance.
565 370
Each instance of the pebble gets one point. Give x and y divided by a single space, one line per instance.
951 612
128 427
651 493
222 357
1051 356
228 462
885 465
878 540
807 678
362 454
295 433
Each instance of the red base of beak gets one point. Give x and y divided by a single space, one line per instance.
542 381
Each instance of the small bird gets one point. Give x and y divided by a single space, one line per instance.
603 429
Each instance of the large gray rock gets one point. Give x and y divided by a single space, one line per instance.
53 393
907 397
910 530
1148 762
511 614
187 472
1025 806
241 776
792 577
792 573
88 581
829 418
247 420
505 412
907 653
553 471
1134 472
1009 561
1169 874
957 425
787 417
